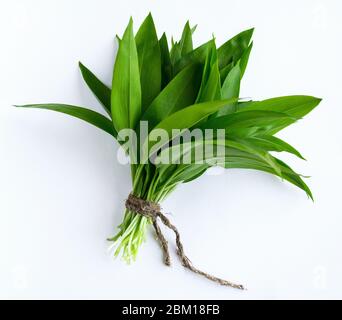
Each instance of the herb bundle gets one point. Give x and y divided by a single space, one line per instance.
180 87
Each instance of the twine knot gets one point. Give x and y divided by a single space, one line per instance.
152 210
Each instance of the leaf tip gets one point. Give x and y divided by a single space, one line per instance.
310 196
149 18
130 23
250 31
318 100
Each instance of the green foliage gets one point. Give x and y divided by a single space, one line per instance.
126 88
182 87
165 60
100 90
92 117
179 93
149 61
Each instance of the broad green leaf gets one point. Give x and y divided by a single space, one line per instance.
239 155
233 49
247 123
189 150
210 86
183 47
149 61
242 62
189 116
99 89
294 106
271 143
244 59
92 117
126 90
186 40
244 160
228 54
176 152
230 89
166 67
198 55
262 155
184 119
179 93
237 151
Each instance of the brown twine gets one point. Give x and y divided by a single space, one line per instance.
152 210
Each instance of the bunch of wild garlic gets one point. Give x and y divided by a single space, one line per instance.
185 88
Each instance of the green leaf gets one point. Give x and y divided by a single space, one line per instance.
228 54
293 177
189 116
197 56
183 47
242 62
230 89
294 106
184 119
92 117
149 61
260 154
186 40
189 150
238 144
100 90
177 153
179 93
271 143
210 86
245 160
248 123
197 174
233 49
126 90
166 67
244 59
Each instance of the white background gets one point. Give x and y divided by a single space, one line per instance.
62 189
